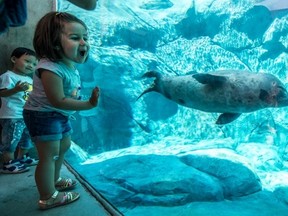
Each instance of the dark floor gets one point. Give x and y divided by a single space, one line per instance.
19 196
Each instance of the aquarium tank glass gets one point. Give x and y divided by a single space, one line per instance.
192 118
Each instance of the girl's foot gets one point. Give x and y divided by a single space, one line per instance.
63 184
58 199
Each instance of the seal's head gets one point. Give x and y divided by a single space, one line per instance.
273 92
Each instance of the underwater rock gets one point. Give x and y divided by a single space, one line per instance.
159 108
179 55
157 180
246 24
199 24
133 37
264 157
231 170
171 181
282 194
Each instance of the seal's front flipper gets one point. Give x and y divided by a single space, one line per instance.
226 118
213 80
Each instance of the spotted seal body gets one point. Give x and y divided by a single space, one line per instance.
229 92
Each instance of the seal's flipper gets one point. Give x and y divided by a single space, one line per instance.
213 80
226 118
154 86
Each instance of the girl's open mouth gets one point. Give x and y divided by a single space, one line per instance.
82 53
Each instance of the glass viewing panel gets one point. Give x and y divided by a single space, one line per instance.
208 136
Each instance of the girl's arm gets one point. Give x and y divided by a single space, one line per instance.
53 88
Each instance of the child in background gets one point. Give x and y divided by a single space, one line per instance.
60 41
15 86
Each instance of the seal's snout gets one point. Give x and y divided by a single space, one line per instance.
282 97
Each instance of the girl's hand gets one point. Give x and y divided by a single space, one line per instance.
94 97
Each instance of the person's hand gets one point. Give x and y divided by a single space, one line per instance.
94 97
21 86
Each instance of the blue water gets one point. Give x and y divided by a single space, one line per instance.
153 156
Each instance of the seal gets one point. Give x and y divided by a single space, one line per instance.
229 92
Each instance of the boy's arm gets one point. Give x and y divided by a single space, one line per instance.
20 86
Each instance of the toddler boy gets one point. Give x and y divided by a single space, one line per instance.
15 85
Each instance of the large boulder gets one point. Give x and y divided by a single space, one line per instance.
230 169
171 180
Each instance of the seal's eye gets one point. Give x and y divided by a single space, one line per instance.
82 53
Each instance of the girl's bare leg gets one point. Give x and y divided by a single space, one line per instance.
45 171
65 144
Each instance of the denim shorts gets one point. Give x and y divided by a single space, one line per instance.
14 134
47 126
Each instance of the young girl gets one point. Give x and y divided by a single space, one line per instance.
60 41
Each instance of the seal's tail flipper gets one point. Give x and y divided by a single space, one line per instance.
154 86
